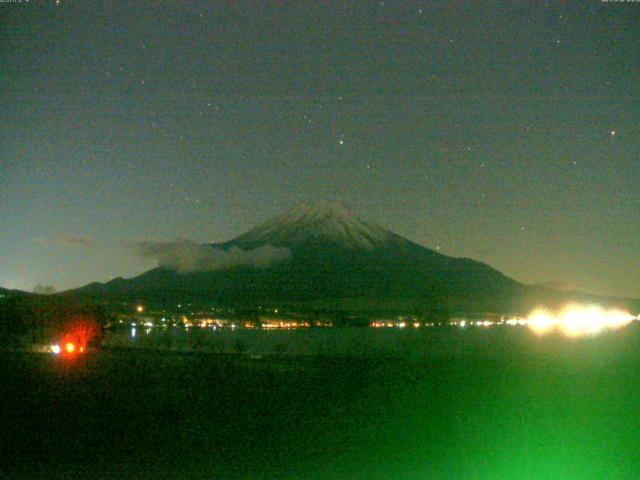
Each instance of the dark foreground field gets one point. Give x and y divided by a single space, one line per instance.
531 409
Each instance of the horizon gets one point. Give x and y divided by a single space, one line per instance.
305 209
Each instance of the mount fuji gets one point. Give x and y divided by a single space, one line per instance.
323 256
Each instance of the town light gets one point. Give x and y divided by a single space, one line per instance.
576 320
540 321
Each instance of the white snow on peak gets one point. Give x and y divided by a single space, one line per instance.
325 221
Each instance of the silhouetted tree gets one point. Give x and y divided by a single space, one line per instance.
44 289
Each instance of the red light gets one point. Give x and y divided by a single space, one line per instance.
77 334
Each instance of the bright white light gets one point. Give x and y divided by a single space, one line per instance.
540 321
576 320
55 349
463 323
133 332
619 318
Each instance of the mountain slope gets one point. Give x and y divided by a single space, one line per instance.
6 293
336 258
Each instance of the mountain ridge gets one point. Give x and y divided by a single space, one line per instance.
335 255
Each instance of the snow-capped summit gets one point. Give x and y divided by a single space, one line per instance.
318 222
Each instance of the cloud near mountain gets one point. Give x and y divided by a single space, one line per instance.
186 256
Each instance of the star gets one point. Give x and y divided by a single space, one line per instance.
613 133
341 142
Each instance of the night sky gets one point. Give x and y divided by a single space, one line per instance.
503 131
